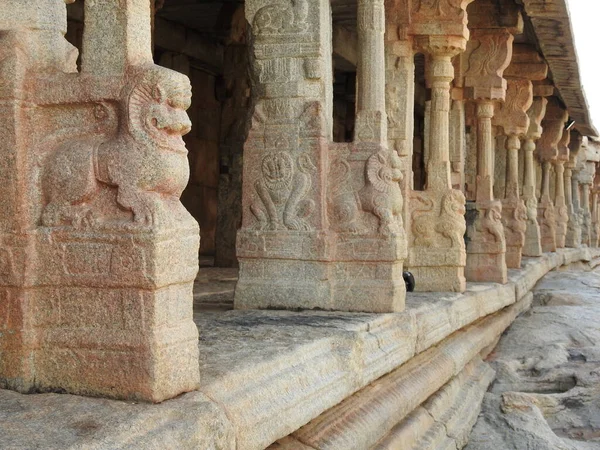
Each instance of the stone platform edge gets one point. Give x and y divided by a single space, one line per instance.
270 374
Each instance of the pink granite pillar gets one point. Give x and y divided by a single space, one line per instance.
99 255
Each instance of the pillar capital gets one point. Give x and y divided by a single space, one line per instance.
487 55
512 115
536 114
440 46
553 128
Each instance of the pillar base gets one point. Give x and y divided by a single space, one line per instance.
439 278
111 316
533 244
547 221
486 245
514 221
345 272
513 257
437 255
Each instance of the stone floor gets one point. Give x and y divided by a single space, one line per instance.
547 390
214 287
264 374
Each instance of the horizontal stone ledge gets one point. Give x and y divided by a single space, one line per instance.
265 374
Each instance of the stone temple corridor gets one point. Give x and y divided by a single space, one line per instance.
208 207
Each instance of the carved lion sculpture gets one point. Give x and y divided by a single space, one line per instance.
381 194
146 161
451 222
281 18
490 225
516 224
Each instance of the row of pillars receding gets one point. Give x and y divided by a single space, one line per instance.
99 256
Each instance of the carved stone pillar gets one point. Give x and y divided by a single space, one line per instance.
595 220
371 117
560 204
437 250
577 210
99 256
513 119
533 243
586 229
437 254
322 224
489 53
573 237
553 126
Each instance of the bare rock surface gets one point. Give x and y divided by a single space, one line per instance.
547 392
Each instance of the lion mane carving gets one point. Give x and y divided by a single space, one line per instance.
146 161
381 194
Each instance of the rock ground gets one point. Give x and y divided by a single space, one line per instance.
546 395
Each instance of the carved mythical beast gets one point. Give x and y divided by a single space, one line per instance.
427 225
381 194
281 18
146 161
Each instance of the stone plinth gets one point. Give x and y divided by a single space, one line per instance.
514 221
486 246
547 221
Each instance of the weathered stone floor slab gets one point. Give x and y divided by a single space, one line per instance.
547 391
265 374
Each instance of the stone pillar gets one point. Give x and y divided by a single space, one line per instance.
595 220
562 218
437 250
560 204
371 117
489 53
513 119
553 126
573 237
537 111
578 212
99 255
586 229
437 255
322 222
